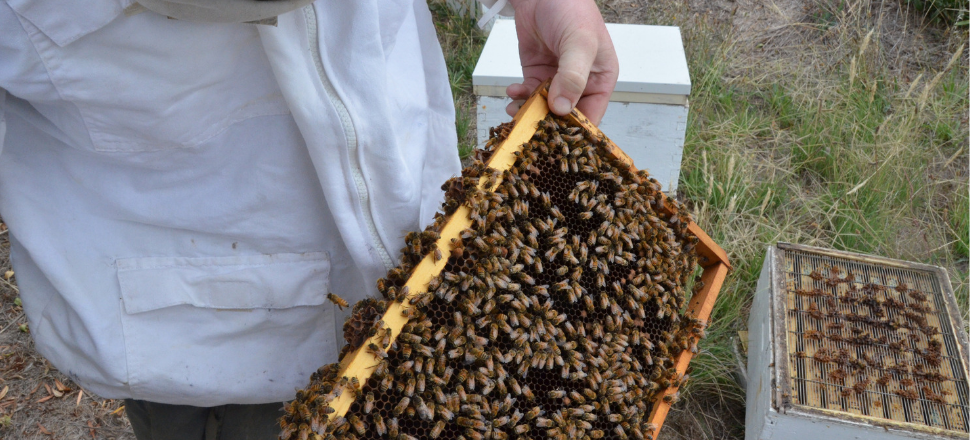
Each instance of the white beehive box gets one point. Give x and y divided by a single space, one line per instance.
464 7
476 10
647 114
859 316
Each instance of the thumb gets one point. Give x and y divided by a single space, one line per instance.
569 83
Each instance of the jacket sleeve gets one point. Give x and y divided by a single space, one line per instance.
4 60
3 118
22 72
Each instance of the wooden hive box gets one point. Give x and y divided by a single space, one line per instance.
847 345
348 387
647 112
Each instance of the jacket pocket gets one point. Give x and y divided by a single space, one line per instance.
212 331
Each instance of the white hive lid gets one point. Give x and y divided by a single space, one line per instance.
652 61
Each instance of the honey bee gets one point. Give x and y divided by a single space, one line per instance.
377 351
445 413
340 425
304 432
814 312
393 429
618 429
384 337
496 316
908 393
527 393
357 424
933 396
917 295
401 294
401 406
838 374
338 301
438 428
411 313
421 300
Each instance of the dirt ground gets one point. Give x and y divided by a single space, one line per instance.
38 402
776 39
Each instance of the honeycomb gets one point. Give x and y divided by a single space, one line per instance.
873 341
358 325
559 312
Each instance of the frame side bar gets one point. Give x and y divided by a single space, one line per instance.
700 308
361 362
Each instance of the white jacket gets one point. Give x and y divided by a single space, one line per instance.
182 196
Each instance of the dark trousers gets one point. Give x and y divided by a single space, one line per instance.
159 421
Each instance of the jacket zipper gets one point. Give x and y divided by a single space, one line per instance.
351 135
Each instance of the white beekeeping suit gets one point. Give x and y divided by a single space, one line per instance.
181 196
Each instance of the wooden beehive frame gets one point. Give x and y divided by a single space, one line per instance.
360 363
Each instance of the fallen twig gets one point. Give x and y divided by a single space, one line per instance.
10 285
12 322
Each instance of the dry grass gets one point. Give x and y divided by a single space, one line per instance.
462 43
36 400
830 123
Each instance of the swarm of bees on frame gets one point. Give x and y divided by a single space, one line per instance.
873 337
558 314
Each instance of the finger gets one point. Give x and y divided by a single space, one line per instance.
517 91
514 107
531 81
570 80
594 105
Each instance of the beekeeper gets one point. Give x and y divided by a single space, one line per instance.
185 180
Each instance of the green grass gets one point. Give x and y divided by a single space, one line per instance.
833 146
959 220
946 11
462 43
844 156
828 143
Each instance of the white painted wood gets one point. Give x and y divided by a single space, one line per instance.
491 112
760 369
654 98
798 426
652 59
652 134
491 23
763 419
476 9
463 7
647 115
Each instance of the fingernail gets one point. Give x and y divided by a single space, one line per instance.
561 105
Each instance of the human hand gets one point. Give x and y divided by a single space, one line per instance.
565 40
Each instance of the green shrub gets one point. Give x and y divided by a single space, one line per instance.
948 11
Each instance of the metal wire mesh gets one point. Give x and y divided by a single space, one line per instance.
873 340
